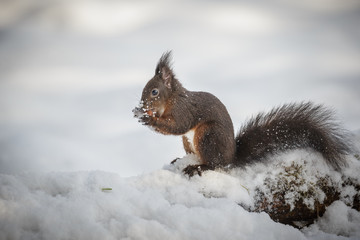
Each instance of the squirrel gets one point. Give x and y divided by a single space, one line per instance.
207 129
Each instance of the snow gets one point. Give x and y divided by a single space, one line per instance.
163 204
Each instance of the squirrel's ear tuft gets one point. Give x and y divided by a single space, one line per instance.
164 68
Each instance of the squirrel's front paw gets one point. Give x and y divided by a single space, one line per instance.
145 120
191 170
145 116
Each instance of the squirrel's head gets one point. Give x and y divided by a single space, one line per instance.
158 91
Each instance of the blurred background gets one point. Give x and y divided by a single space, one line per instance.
71 71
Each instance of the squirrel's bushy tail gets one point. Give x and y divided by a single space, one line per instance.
301 125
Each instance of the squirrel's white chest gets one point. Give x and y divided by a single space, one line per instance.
190 138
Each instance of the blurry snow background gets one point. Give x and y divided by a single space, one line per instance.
71 71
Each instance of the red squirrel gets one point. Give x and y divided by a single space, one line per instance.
207 130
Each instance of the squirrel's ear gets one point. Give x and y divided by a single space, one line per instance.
164 68
167 76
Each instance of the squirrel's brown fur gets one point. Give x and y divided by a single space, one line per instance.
207 129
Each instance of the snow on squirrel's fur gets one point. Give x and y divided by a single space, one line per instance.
165 204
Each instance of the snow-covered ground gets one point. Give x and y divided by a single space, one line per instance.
163 204
71 71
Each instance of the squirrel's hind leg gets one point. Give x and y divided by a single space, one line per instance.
192 170
213 147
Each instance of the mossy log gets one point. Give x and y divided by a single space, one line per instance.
301 212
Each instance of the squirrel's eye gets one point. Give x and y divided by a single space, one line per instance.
154 92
